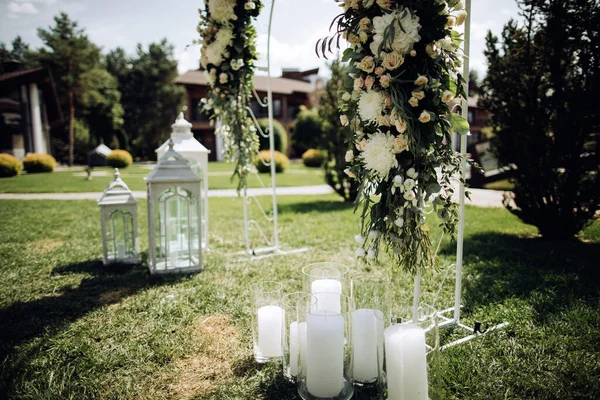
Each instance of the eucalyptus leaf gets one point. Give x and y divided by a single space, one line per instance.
459 124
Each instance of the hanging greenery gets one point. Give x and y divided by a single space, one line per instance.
403 75
228 54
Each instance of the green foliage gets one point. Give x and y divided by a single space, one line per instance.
102 105
335 136
119 159
70 55
539 90
314 158
37 162
20 53
280 139
281 161
307 131
9 165
150 98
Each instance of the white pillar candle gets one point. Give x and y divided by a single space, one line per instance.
367 333
302 345
294 348
121 251
270 324
173 259
406 362
325 353
327 292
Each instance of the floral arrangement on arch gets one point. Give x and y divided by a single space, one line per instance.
404 60
228 54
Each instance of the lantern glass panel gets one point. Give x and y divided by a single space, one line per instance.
177 229
120 236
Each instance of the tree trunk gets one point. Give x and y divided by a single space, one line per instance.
71 128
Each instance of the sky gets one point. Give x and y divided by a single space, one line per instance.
296 26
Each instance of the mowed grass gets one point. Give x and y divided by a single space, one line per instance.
73 329
75 181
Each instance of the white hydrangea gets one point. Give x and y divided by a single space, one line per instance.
404 38
224 37
370 105
379 156
214 54
222 10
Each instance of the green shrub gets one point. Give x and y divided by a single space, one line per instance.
314 158
281 161
119 159
37 162
307 132
9 165
281 142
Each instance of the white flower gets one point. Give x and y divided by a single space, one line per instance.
359 239
223 78
349 156
370 105
358 83
349 173
214 53
411 173
360 252
409 184
346 96
379 156
222 10
421 80
409 195
404 38
400 143
249 5
371 254
367 64
344 120
460 19
211 76
447 96
237 64
425 117
399 222
374 234
398 181
224 37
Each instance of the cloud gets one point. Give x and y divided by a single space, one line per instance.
21 7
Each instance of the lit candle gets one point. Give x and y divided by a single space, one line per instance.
270 324
327 292
367 331
325 353
121 251
406 362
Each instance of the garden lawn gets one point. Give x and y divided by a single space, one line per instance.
71 181
73 329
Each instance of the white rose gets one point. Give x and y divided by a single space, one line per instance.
349 156
409 195
421 80
412 173
409 184
398 181
249 6
346 96
447 96
425 117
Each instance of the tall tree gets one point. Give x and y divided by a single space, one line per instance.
150 97
69 54
540 89
19 53
335 137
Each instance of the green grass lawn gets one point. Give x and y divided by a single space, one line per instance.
219 178
72 329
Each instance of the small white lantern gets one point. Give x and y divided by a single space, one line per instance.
118 210
174 208
197 155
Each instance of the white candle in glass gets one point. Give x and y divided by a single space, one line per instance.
325 353
406 362
367 333
173 259
302 345
294 348
327 292
121 251
270 324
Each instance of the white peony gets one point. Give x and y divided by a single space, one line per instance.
370 105
379 156
222 10
404 38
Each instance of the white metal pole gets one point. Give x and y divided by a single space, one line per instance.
271 134
416 298
463 168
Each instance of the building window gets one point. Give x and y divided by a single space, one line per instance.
197 114
263 112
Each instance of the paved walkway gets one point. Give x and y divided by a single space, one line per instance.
480 197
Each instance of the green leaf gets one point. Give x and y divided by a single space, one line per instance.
459 124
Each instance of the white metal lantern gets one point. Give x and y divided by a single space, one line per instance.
197 155
174 206
118 210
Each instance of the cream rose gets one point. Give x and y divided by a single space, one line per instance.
420 95
400 125
379 71
413 101
400 143
386 4
223 78
421 80
364 23
392 60
367 64
344 120
450 22
447 96
369 81
425 117
358 83
385 80
460 19
349 157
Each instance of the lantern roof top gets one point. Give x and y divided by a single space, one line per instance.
172 167
116 193
183 138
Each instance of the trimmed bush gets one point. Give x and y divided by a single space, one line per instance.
281 161
37 162
281 142
9 165
314 158
119 159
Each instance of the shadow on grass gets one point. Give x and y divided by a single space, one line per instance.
321 206
500 266
23 321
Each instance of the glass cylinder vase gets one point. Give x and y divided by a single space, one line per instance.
326 365
294 335
267 321
329 280
371 295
